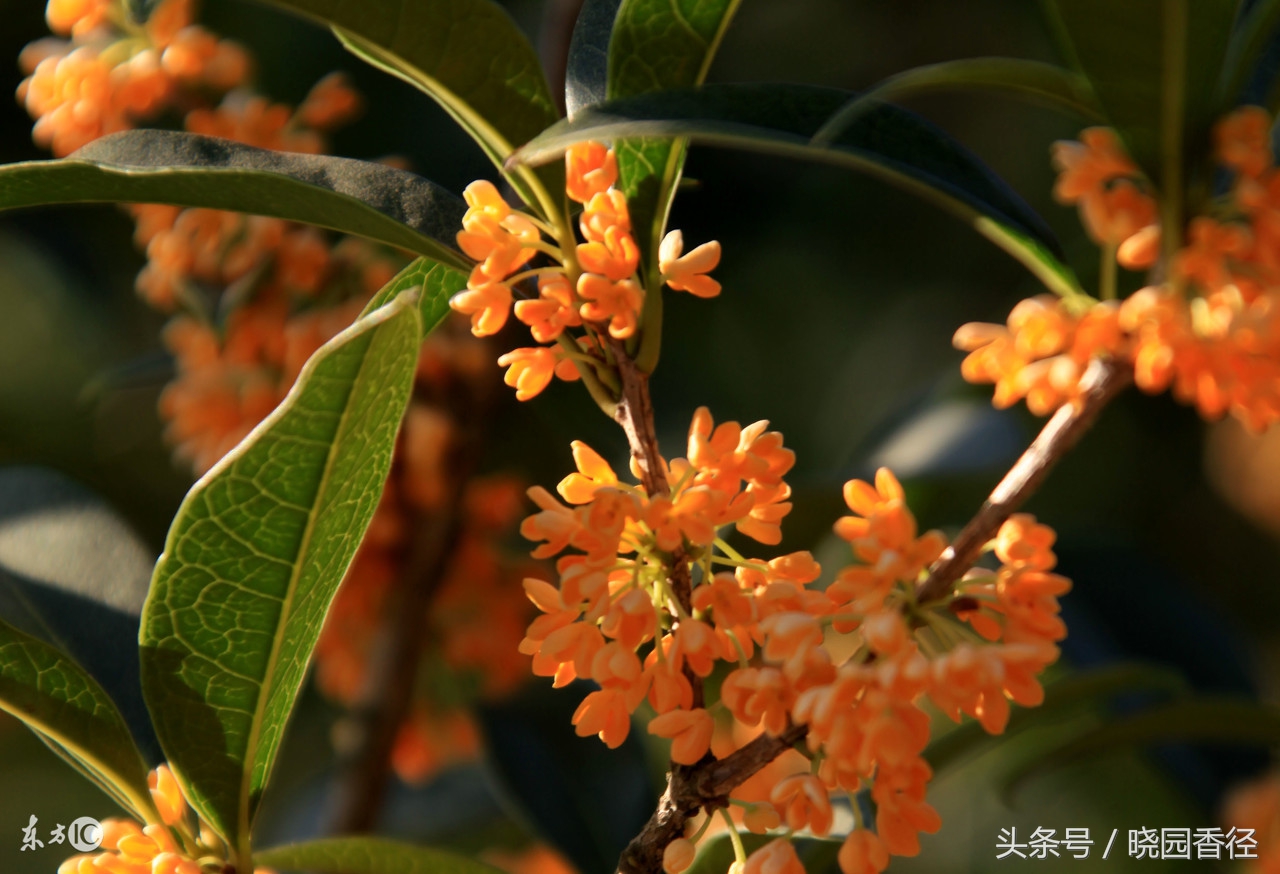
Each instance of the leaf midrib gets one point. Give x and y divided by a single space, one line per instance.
381 317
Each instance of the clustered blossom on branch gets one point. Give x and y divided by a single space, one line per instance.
652 599
251 298
1209 329
970 653
591 285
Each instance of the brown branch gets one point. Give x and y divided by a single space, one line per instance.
1102 381
719 777
691 788
387 697
635 415
706 785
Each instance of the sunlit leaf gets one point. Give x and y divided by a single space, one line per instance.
256 553
1206 720
437 282
888 143
73 715
361 855
1034 81
369 200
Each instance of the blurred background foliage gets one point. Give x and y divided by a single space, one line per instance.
840 299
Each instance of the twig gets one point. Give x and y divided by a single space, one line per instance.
635 415
691 788
707 784
1103 380
377 718
687 785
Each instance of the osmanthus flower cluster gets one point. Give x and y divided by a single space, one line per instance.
251 298
178 844
651 600
589 285
1209 329
110 73
615 619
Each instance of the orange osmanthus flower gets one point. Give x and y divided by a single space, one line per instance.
592 286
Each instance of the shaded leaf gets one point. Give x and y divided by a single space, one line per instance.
587 800
361 855
1037 82
73 715
1208 720
1060 698
370 200
140 10
587 68
1254 32
74 575
888 143
255 556
658 45
467 55
1154 66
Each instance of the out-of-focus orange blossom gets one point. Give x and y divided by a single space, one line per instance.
250 299
1208 330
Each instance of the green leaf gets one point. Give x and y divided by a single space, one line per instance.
888 143
658 45
1037 82
70 712
74 575
369 200
1154 66
587 67
437 283
256 553
359 855
1060 699
1208 720
1249 40
467 55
